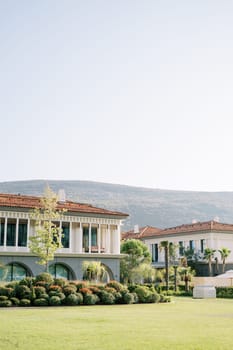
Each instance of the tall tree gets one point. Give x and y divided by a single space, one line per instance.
224 252
209 255
47 238
164 245
136 254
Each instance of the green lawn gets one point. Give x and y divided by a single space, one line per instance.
183 324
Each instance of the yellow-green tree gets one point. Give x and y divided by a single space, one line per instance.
47 238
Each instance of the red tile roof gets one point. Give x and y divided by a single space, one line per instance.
199 226
150 232
146 231
31 202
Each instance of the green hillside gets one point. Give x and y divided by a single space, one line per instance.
155 207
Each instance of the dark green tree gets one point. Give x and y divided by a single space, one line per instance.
136 255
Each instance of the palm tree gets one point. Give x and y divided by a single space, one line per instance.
224 252
208 255
164 245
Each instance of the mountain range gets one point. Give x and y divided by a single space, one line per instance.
145 206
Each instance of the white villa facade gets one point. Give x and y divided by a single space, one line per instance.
196 236
89 234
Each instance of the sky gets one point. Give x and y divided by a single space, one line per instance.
133 92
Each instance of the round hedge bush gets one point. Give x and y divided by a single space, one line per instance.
7 291
5 303
106 298
54 300
15 301
90 299
23 292
24 302
71 299
40 302
44 277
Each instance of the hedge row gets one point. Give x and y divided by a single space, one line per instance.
44 290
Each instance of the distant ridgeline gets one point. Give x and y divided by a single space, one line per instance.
154 207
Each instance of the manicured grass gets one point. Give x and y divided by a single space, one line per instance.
183 324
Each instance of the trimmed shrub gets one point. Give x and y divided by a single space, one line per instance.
44 296
59 282
72 299
22 292
27 281
54 300
224 292
90 299
85 291
12 284
55 287
61 296
40 302
24 302
80 285
106 298
15 301
7 291
39 290
69 289
3 297
44 277
153 297
128 298
5 303
146 295
116 285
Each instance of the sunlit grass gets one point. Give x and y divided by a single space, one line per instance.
183 324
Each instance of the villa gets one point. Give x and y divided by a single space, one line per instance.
89 234
195 236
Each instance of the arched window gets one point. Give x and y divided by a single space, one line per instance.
60 271
14 272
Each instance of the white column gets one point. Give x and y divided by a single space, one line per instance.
70 235
89 238
98 239
117 239
80 239
28 231
5 232
108 240
17 232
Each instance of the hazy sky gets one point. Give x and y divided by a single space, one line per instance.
135 92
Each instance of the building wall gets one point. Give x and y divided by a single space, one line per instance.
73 263
213 240
106 248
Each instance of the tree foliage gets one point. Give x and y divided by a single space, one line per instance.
47 238
137 260
224 252
209 255
93 271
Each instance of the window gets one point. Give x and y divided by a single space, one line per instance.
181 248
154 251
10 238
191 245
22 235
203 245
86 239
15 272
94 236
65 235
60 271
